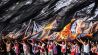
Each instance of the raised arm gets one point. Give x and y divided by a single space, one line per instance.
20 42
4 41
58 43
88 41
28 41
80 41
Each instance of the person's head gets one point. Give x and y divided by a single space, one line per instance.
43 44
8 41
23 41
51 42
96 42
35 44
48 42
85 42
40 44
77 43
16 41
92 43
74 42
63 42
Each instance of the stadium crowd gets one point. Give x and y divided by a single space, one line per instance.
48 47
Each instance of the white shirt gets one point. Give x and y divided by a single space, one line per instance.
25 47
86 48
8 47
